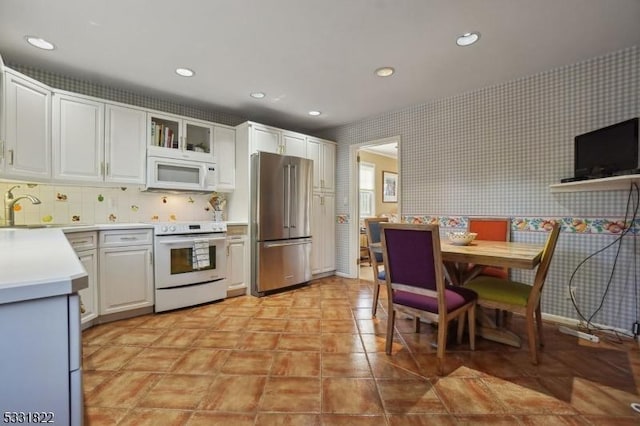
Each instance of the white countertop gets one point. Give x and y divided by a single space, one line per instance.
37 263
103 227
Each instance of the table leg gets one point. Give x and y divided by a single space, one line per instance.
460 273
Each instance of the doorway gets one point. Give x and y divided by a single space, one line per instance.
376 194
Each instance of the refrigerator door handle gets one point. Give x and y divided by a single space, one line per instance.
286 189
287 243
294 199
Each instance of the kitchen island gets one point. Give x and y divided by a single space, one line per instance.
41 375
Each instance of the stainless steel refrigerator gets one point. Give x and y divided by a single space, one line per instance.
281 191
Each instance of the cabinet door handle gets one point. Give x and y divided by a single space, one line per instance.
1 150
128 238
106 169
151 258
80 242
11 157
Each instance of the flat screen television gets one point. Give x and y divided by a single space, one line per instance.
610 151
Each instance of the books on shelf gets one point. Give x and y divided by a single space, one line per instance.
162 135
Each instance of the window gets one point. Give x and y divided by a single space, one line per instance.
367 189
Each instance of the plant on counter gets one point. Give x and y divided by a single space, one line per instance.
218 201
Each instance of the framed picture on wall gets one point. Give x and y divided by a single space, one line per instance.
389 187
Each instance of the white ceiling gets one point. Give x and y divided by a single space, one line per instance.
311 54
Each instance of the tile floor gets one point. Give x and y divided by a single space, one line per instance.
314 356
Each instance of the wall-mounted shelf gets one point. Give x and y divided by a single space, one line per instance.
603 184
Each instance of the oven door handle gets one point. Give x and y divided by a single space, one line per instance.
187 240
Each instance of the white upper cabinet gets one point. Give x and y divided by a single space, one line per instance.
125 144
264 138
294 144
224 145
178 137
277 141
323 154
26 143
97 142
78 138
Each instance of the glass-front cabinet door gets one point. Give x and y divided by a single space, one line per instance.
198 138
179 137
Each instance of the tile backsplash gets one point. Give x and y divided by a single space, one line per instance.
97 205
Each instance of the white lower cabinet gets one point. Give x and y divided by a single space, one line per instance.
237 266
323 228
125 270
41 361
86 246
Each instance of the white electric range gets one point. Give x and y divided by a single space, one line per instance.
190 263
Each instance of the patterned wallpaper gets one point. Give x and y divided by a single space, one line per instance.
495 151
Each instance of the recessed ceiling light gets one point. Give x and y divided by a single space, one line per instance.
39 42
185 72
467 39
257 95
385 72
315 113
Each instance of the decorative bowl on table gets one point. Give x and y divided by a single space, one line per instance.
461 238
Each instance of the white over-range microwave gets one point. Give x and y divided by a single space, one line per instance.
187 175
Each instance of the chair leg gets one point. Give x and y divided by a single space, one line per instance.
539 325
471 315
531 334
460 327
376 295
390 323
442 344
416 324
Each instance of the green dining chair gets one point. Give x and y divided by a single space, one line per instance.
517 297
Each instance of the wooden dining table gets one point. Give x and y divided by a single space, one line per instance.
480 253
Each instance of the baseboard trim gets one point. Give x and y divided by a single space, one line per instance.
343 275
572 322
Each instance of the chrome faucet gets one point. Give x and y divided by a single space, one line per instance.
10 201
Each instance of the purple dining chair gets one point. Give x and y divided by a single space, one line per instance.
416 286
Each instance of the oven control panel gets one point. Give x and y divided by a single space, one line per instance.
173 228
